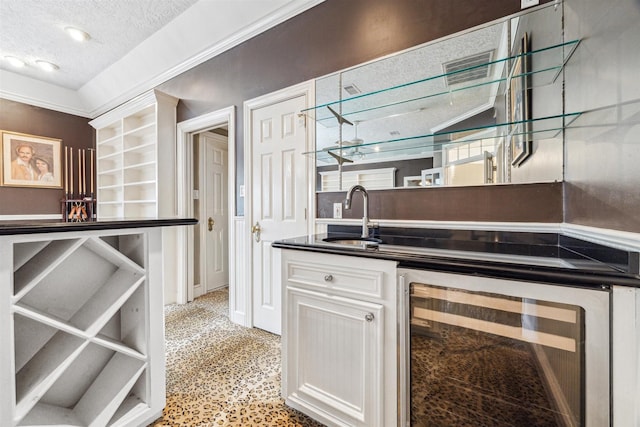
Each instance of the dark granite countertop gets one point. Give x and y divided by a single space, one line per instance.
541 257
51 226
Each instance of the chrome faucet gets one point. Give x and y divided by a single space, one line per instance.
365 219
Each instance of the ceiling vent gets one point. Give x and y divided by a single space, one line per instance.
352 89
467 69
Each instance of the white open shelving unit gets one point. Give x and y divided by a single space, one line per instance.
135 158
85 328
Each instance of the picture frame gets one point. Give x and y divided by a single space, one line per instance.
31 161
519 107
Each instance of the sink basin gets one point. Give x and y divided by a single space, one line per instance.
353 241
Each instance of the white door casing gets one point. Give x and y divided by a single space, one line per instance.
278 198
214 254
184 185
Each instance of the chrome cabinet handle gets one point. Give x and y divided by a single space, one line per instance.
256 231
328 278
369 317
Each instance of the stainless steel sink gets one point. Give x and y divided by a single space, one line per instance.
353 241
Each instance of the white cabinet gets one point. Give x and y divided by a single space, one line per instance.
339 338
83 334
135 158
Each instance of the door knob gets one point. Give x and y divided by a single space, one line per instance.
211 223
256 231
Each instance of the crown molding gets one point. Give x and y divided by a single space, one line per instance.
40 94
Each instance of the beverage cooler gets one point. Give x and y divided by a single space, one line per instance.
490 352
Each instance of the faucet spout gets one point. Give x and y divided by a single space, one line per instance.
365 195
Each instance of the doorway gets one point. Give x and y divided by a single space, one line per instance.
210 204
189 134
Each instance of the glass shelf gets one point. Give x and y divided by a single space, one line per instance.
546 64
541 128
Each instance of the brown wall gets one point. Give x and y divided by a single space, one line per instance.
331 36
498 203
73 130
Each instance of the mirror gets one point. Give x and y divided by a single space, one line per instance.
481 107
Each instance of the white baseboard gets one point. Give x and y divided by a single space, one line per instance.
197 290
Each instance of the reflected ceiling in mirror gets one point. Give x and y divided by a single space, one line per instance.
441 107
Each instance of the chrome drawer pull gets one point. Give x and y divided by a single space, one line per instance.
369 317
328 278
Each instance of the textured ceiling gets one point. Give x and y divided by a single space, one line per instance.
34 29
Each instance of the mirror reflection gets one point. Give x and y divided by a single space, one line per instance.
481 107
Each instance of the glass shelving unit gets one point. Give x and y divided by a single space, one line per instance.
418 96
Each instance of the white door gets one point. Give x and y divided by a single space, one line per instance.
279 199
214 220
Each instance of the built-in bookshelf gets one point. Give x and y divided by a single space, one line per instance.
135 162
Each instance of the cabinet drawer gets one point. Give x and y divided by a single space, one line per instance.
337 274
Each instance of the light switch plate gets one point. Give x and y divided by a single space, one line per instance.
196 194
337 210
528 3
242 191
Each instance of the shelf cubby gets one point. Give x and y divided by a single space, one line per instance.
93 387
140 119
141 172
109 133
109 164
140 191
139 208
42 370
110 210
136 158
122 332
23 252
36 269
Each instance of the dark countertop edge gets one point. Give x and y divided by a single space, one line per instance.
555 276
8 228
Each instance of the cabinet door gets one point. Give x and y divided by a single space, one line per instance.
335 358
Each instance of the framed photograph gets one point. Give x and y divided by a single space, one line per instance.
520 105
31 161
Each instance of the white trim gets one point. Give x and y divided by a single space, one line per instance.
30 217
281 15
306 89
618 239
133 106
184 186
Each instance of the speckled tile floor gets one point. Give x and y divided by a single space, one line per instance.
220 373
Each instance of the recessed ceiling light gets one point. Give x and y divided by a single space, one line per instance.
16 62
47 66
77 34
